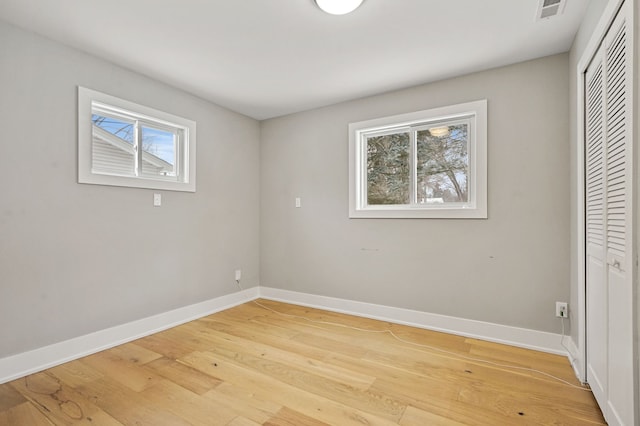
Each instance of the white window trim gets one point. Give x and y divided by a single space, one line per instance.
476 208
187 166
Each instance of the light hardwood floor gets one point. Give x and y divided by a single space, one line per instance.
250 366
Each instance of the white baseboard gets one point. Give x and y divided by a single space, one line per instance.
514 336
22 364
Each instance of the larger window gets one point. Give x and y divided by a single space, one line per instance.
427 164
125 144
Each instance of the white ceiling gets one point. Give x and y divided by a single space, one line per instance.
266 58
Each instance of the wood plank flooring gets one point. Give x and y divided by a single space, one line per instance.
250 366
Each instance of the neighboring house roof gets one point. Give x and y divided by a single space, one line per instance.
114 154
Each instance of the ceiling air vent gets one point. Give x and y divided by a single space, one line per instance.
550 8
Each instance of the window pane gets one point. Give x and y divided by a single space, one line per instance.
158 152
442 164
112 146
388 177
118 127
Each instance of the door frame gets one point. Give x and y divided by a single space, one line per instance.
577 353
578 359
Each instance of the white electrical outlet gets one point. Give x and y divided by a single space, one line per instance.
238 274
562 309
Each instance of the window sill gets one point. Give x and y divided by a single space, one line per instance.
419 213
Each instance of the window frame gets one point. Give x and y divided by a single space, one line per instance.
476 206
185 146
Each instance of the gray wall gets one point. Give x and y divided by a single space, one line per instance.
79 258
589 22
508 269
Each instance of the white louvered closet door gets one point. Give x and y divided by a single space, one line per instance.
596 294
609 161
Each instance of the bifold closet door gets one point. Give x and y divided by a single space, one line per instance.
596 291
609 251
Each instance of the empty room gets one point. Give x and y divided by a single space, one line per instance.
319 212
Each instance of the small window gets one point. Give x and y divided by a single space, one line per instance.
125 144
427 164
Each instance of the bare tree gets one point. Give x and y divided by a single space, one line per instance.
388 169
441 166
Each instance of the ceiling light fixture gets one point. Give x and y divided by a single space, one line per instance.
338 7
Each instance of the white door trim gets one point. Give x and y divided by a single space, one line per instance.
596 39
